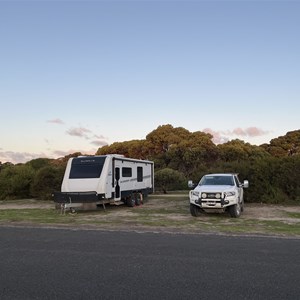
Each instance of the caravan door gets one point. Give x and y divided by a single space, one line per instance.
117 183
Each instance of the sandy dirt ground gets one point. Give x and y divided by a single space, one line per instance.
252 210
270 212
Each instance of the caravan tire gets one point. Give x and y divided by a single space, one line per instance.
130 201
138 199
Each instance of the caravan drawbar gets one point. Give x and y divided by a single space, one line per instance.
102 179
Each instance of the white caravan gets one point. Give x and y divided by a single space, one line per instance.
111 178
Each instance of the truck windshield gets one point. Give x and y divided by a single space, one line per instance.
87 167
216 180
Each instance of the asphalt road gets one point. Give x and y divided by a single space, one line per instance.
39 263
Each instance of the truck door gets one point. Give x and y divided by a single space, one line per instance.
117 183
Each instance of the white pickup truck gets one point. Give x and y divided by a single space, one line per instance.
218 193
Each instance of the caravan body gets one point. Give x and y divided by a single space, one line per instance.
105 179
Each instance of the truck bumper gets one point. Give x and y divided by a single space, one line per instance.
212 203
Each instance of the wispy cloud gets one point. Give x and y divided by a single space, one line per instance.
99 140
56 121
218 136
94 142
99 143
250 131
61 153
221 136
79 132
101 137
19 157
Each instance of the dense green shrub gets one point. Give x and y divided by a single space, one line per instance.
47 180
169 180
16 181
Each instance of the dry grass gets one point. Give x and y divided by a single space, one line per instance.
160 213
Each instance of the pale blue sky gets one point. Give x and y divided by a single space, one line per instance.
75 75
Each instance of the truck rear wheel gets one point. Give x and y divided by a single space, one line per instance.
195 210
235 210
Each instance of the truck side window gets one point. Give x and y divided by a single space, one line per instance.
139 174
126 172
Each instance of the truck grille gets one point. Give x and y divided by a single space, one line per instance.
211 195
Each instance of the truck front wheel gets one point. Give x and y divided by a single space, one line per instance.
242 206
195 210
235 210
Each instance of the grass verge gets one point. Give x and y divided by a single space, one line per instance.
160 212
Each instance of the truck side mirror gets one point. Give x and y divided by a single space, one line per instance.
246 184
190 184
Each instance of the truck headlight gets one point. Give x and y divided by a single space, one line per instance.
229 194
195 194
204 195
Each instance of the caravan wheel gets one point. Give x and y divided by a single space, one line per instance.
130 201
138 199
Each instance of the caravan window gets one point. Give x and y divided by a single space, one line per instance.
126 172
139 174
87 167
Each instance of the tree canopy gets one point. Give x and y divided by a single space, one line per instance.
272 169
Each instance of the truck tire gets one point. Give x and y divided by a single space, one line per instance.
235 210
195 210
242 206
